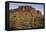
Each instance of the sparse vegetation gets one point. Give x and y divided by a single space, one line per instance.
26 19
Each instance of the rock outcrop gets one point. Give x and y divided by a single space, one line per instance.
23 16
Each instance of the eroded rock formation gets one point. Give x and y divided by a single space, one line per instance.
23 16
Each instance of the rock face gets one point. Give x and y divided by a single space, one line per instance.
23 16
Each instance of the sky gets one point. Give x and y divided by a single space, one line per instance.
36 6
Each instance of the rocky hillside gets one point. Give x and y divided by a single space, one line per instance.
24 16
